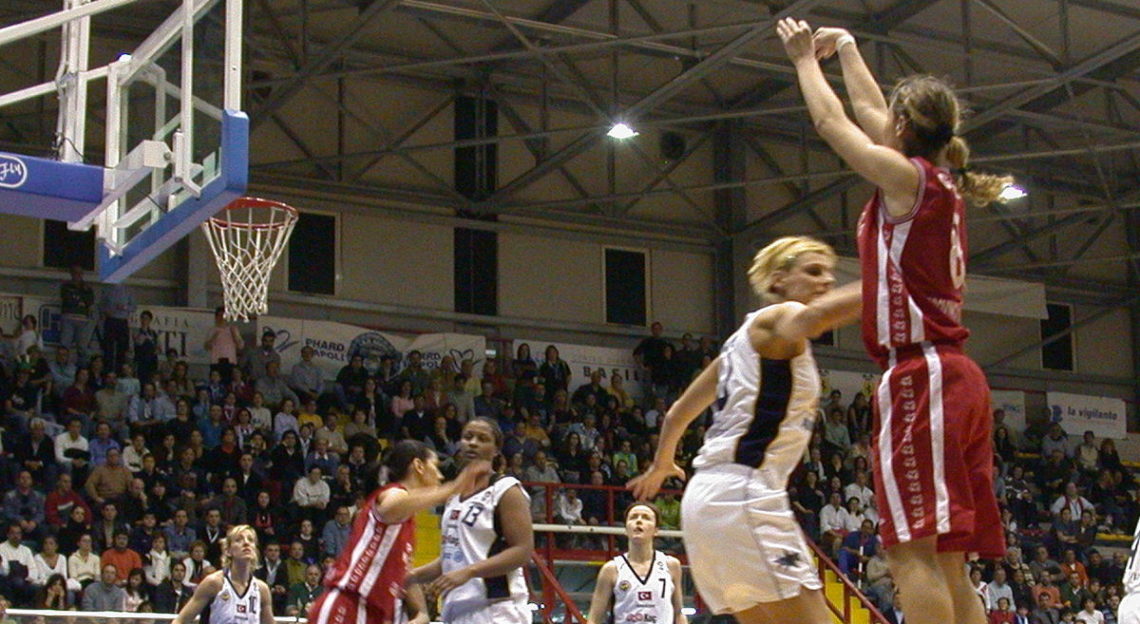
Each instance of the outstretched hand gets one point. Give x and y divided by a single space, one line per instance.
647 485
471 473
797 38
825 39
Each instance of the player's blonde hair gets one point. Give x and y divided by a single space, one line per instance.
933 112
781 255
233 533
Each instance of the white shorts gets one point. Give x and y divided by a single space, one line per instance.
1129 611
502 612
744 545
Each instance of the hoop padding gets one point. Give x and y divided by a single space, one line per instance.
247 239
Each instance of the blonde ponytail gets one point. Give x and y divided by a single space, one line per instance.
979 189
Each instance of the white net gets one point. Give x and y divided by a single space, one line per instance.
247 239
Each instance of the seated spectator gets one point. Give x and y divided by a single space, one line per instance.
1042 566
171 594
310 415
541 472
138 594
330 432
213 534
1046 588
322 457
1089 613
311 494
360 425
1070 565
197 566
998 589
307 536
109 481
53 594
105 595
83 565
1054 473
265 518
1002 613
857 548
285 420
48 563
77 525
335 534
295 564
122 557
36 452
1072 592
273 387
304 594
24 505
71 450
859 489
156 563
833 522
1071 500
272 572
180 536
101 444
350 381
1055 440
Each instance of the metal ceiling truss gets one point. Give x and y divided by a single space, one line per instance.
537 61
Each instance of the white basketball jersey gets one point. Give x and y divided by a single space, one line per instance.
229 607
648 599
1131 578
471 533
765 409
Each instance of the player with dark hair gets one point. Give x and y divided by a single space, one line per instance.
366 584
642 585
487 538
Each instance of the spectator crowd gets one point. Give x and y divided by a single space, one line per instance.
124 471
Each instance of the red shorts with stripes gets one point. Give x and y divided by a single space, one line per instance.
341 607
933 452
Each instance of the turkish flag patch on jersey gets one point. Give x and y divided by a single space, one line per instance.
645 595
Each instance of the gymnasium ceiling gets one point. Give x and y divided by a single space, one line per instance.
353 99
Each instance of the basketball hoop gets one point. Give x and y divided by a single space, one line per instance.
247 240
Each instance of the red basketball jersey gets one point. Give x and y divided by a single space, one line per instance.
914 267
375 560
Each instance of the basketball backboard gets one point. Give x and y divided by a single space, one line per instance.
175 144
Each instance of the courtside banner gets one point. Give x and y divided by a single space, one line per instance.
334 344
1013 403
584 359
1079 413
847 383
182 329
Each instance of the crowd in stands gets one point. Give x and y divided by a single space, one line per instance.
126 471
1056 495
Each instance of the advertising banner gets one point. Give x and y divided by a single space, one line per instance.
1079 413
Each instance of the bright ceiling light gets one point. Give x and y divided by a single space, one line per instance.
1011 192
621 130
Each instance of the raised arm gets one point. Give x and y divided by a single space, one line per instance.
884 167
696 398
839 307
866 97
395 506
603 594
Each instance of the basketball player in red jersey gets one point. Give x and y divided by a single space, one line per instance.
933 455
366 584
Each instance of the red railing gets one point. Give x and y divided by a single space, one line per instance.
613 518
849 589
551 590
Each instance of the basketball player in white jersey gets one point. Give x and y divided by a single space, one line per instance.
643 585
232 595
1129 612
747 552
487 538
